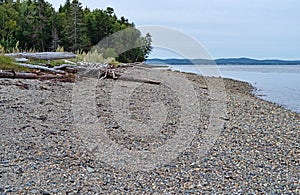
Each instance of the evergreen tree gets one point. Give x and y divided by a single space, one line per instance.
44 25
75 28
9 25
36 25
55 36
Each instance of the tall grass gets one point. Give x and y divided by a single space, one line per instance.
6 63
94 57
60 49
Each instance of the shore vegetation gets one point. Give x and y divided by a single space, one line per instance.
34 25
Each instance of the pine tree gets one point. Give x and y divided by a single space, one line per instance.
55 36
75 28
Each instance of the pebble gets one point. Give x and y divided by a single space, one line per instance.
5 161
45 193
90 169
42 152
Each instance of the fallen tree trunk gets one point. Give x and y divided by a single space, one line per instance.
68 68
52 70
102 73
43 55
23 75
62 66
143 80
18 75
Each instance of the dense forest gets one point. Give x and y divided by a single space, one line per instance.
36 25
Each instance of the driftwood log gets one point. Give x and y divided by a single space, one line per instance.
43 68
25 75
140 80
68 68
100 71
113 73
43 55
61 72
105 74
63 66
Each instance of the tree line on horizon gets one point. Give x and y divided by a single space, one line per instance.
36 25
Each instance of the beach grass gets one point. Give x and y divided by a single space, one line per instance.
94 57
6 63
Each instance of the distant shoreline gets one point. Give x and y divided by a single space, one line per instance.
222 61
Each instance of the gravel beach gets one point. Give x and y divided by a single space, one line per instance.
44 151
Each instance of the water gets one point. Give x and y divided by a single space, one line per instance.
276 83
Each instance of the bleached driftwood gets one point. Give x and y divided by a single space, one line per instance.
114 73
108 73
69 68
21 60
43 55
52 70
63 66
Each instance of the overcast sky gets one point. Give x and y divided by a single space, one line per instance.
260 29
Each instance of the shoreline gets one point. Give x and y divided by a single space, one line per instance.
256 91
43 152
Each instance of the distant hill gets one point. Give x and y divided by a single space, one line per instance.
222 61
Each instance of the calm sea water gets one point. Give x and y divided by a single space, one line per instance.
275 83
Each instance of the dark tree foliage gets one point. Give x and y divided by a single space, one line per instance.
35 24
